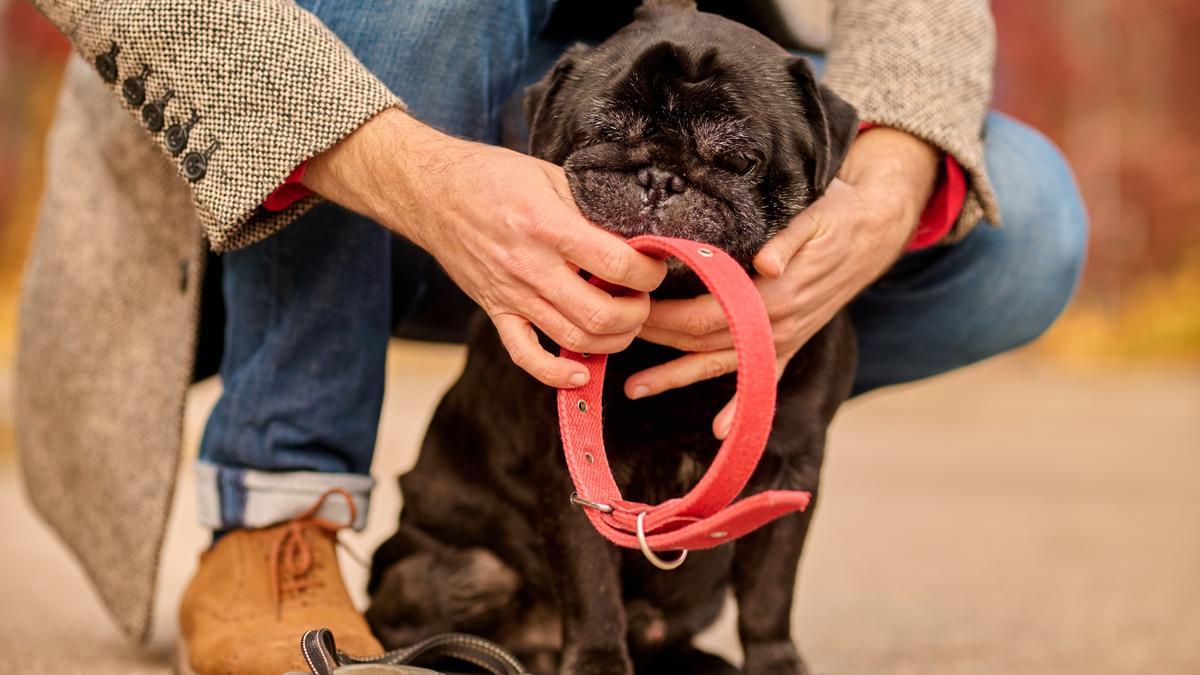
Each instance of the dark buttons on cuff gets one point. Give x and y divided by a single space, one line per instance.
195 164
106 64
177 134
153 115
134 88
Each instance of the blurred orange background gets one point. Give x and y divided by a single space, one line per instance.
1113 82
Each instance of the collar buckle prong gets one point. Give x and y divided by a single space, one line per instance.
580 501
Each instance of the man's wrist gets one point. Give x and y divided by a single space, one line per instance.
361 172
899 169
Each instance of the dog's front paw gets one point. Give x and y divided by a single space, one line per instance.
596 660
773 658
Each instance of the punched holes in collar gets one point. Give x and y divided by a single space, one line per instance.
587 457
706 252
582 405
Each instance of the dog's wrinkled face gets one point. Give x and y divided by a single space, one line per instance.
686 124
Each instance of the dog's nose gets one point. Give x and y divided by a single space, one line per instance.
659 184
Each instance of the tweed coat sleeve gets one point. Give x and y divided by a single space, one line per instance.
924 67
237 94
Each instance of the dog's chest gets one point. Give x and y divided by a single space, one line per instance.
659 447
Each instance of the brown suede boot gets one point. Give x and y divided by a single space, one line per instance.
257 591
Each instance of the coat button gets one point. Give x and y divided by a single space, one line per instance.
177 134
106 64
195 164
153 113
134 87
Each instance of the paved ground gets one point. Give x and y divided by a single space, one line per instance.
1012 518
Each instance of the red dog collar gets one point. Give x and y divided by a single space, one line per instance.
706 516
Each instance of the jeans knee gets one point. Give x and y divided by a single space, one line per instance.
1034 182
1045 230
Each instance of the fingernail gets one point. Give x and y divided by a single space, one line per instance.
578 379
639 391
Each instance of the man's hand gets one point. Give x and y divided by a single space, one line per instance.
810 270
505 228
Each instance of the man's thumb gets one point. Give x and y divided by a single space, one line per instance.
779 250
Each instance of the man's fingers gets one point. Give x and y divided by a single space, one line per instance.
685 370
696 316
723 422
567 334
781 248
590 308
607 256
522 344
721 339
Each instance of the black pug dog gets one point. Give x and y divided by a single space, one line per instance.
682 124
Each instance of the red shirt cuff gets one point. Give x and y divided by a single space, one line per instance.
944 206
290 192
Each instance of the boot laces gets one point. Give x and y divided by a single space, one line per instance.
291 555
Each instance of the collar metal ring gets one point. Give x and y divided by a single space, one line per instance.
654 559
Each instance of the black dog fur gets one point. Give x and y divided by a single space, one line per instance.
682 124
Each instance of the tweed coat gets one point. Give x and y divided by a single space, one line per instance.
246 91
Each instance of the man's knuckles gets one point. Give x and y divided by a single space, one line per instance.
696 323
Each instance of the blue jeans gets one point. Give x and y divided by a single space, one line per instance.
309 310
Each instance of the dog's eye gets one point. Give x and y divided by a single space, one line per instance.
736 162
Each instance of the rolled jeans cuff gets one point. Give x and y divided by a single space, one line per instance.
231 497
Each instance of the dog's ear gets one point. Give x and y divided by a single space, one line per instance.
540 98
834 123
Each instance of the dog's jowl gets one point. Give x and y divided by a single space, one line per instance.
682 124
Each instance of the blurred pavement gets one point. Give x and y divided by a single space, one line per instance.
1010 518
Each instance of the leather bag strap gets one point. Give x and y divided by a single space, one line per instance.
324 658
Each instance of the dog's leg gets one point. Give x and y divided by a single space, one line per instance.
404 542
430 588
764 578
766 562
585 567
